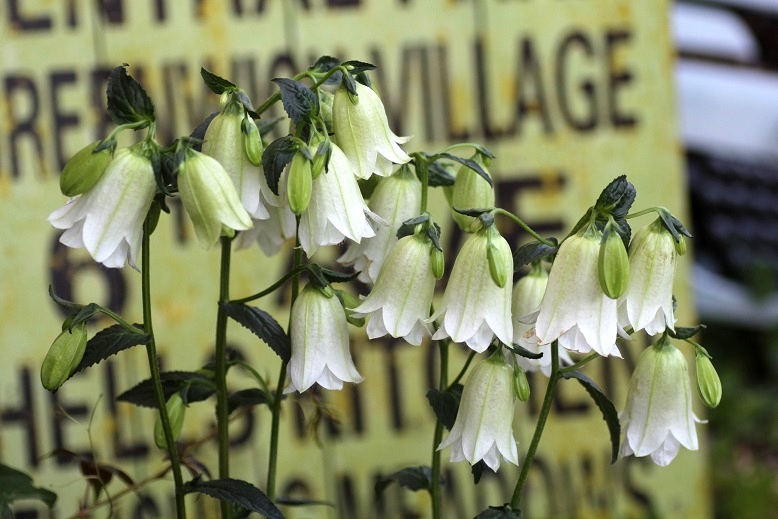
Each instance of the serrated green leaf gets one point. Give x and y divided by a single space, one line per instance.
433 233
261 324
108 342
197 386
683 333
247 397
438 175
85 313
408 226
518 350
475 166
616 198
357 67
607 408
238 492
412 478
127 101
216 84
300 102
290 501
275 157
500 512
533 251
673 225
475 212
16 485
445 404
324 64
334 276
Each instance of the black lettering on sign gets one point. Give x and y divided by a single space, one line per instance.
617 78
22 125
63 272
482 74
339 4
98 80
449 104
25 21
62 120
62 415
577 43
24 414
531 90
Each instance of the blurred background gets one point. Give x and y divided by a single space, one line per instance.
727 87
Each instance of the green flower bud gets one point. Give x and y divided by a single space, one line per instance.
63 357
299 183
708 381
327 291
520 383
496 265
350 302
613 265
224 98
321 156
680 245
83 171
470 191
252 141
176 411
438 263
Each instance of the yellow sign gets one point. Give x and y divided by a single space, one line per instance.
568 95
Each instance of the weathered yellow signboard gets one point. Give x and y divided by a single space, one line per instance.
567 94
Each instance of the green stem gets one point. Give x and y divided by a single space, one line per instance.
473 145
220 373
463 370
581 363
523 225
435 493
151 351
272 288
272 466
422 170
544 411
645 211
121 322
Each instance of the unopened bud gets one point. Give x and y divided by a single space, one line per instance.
83 171
63 357
520 383
708 381
327 291
252 141
299 183
680 245
350 302
496 265
176 411
224 98
613 266
438 262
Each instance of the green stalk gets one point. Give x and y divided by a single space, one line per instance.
435 483
523 225
220 373
272 466
151 351
544 411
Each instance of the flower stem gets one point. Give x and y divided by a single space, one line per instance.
463 370
581 363
422 170
272 288
220 372
151 351
435 478
272 466
523 225
544 411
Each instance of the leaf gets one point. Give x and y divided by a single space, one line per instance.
291 501
470 164
216 84
247 397
198 387
238 492
108 342
357 67
408 226
85 313
474 212
127 101
412 478
607 408
438 175
324 64
275 157
477 471
300 102
349 84
683 333
616 198
261 324
445 404
533 251
500 512
673 225
518 350
334 276
199 132
433 233
16 485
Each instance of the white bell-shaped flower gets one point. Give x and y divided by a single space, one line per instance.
658 419
224 142
399 304
362 131
474 307
574 309
108 219
270 234
527 295
320 343
648 302
395 199
210 199
337 210
483 429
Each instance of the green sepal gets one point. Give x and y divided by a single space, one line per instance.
470 163
324 64
673 225
216 84
128 103
357 67
534 251
408 227
683 333
439 175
